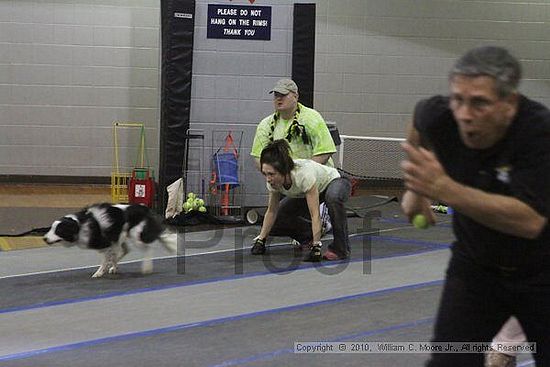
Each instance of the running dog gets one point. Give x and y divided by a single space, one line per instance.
111 229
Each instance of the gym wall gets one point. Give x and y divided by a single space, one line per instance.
69 68
376 58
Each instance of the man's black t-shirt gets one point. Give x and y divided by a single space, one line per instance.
518 165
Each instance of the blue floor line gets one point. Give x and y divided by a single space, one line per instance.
432 246
168 329
348 337
411 242
405 221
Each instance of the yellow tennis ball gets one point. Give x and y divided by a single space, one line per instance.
187 207
420 221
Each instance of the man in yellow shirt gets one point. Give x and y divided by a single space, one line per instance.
302 127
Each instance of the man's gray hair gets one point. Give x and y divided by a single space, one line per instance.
491 61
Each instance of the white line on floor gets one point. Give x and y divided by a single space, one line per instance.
186 255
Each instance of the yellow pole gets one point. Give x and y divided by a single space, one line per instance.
115 138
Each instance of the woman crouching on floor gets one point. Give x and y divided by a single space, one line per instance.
304 183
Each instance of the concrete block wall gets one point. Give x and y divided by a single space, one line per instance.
68 69
376 58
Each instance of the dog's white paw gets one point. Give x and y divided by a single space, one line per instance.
147 267
99 273
113 269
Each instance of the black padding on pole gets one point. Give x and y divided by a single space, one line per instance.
177 28
303 51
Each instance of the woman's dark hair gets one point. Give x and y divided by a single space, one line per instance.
277 154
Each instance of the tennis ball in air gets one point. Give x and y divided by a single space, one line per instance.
420 221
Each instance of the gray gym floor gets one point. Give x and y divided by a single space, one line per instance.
216 305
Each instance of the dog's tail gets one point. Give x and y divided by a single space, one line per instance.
169 241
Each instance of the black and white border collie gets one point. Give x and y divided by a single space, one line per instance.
111 229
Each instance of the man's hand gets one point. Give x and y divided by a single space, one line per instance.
425 177
423 174
413 204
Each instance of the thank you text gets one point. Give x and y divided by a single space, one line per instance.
239 22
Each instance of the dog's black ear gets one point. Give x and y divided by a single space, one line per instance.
68 229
